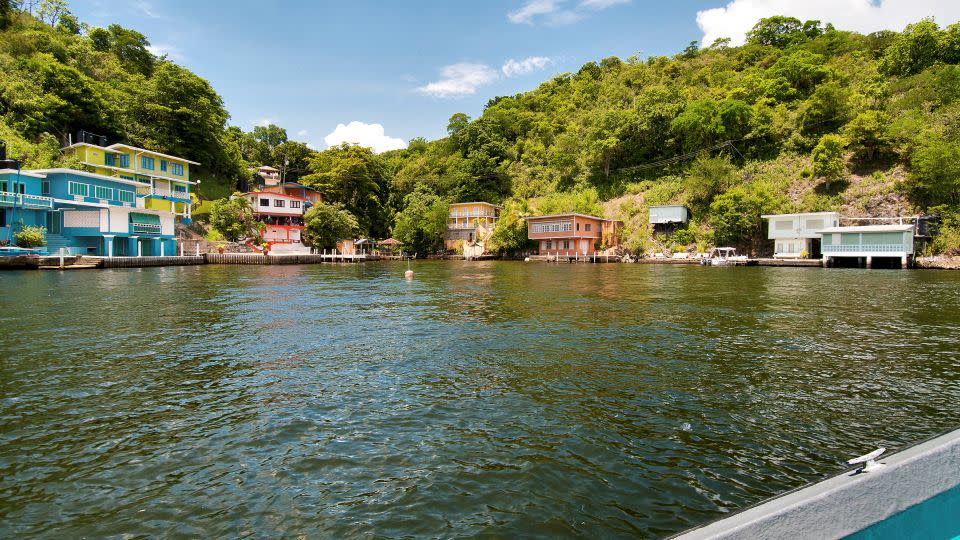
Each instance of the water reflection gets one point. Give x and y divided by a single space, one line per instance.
488 398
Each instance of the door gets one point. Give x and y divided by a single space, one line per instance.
584 246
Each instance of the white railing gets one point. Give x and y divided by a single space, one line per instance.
863 248
162 192
146 228
456 214
22 199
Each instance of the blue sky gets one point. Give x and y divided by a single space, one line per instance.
405 67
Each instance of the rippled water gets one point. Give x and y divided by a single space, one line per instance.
492 398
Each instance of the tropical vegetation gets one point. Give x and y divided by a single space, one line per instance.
802 117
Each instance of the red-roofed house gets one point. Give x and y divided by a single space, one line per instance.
281 214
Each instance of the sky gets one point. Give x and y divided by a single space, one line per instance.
380 73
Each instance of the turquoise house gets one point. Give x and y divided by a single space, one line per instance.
84 213
891 243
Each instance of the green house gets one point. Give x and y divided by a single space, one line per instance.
868 243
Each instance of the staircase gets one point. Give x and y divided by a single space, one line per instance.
55 242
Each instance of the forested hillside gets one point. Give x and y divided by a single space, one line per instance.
802 117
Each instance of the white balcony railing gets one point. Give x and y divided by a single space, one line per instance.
163 192
864 248
456 214
25 200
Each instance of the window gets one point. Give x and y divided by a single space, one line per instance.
101 192
76 188
146 163
566 244
125 196
110 160
163 165
578 227
586 227
179 189
125 160
278 203
549 244
264 202
22 188
294 204
552 227
3 186
45 187
176 169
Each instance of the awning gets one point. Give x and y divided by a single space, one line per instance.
144 219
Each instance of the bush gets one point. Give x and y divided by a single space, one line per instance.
828 158
684 237
233 219
327 224
31 237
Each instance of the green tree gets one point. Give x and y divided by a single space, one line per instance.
707 178
100 39
828 161
422 222
735 215
780 31
826 110
293 159
510 234
913 50
950 44
803 69
935 172
51 10
867 134
233 219
130 47
352 176
68 23
268 137
327 224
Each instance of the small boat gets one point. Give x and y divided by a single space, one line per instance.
723 256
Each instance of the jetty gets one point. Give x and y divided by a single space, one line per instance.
79 262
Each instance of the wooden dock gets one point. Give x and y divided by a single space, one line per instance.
142 262
574 258
292 258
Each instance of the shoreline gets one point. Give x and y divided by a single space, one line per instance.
76 262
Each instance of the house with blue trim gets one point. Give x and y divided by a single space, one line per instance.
85 213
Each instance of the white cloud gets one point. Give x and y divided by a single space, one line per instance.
513 67
265 122
162 49
369 135
460 80
146 8
602 4
533 9
558 12
864 16
302 133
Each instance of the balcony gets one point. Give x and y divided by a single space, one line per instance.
144 228
163 192
25 201
486 214
864 248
